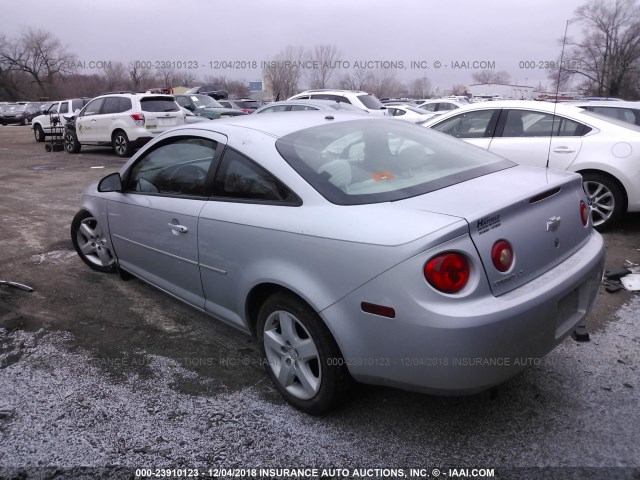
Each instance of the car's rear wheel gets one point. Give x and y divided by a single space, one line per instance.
90 242
71 143
300 355
25 121
121 144
604 198
38 133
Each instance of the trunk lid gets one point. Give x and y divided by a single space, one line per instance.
536 210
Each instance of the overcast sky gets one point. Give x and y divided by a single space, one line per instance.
452 32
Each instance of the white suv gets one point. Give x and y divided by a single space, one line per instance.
58 113
125 121
363 100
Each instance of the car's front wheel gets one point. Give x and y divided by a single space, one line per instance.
300 355
71 143
605 199
90 242
38 133
121 144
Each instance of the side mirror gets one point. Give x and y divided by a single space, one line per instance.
110 183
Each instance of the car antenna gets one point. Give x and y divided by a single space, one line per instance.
555 104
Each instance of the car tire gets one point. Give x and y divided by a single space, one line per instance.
121 144
90 243
71 143
38 133
300 355
605 199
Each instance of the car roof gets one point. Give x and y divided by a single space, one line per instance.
605 103
282 123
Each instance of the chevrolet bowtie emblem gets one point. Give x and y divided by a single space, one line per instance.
553 224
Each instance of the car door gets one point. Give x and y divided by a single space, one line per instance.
154 220
87 121
243 191
524 136
476 127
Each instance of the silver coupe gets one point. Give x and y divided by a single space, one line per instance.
353 247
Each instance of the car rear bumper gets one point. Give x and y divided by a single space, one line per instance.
468 344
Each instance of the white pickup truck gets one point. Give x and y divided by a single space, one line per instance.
57 112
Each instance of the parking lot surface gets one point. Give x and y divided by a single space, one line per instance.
100 372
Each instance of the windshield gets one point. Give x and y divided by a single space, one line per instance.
376 160
205 101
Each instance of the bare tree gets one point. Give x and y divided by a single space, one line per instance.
420 88
324 58
384 84
166 76
607 57
137 76
115 76
40 55
284 71
491 76
356 80
184 78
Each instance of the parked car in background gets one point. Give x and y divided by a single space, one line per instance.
58 112
124 121
363 100
409 113
18 114
562 137
190 117
624 111
441 105
302 105
353 246
245 105
205 106
213 91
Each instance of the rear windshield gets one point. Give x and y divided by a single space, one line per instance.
377 160
159 104
248 103
371 102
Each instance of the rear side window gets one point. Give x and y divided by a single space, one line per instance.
64 108
525 123
78 103
240 178
159 104
116 105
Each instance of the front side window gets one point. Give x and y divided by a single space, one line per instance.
93 107
64 108
240 178
178 167
468 125
377 160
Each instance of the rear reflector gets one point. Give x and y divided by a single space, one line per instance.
378 310
584 213
502 255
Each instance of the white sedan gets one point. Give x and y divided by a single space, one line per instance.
409 113
561 137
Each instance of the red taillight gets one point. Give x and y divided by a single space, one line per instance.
138 118
584 213
447 272
502 255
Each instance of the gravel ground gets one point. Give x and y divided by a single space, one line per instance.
60 409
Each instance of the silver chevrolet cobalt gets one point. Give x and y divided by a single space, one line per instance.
353 247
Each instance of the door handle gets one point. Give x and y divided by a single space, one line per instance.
563 150
178 228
